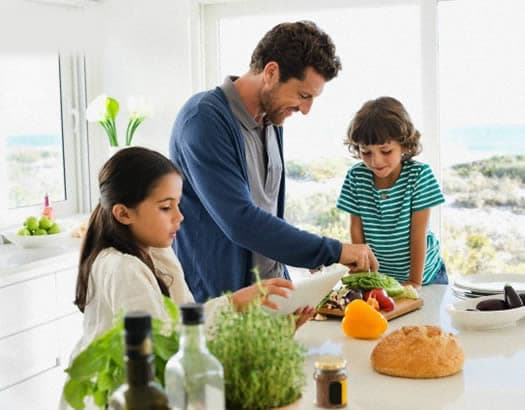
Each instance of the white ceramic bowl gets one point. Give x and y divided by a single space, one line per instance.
37 241
481 320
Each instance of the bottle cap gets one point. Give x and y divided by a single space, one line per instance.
138 327
330 363
192 314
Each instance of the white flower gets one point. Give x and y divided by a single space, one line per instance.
96 110
104 111
139 107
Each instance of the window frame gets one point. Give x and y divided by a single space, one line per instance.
76 160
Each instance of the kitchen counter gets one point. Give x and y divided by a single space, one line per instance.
20 264
493 376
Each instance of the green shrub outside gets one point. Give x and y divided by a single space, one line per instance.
498 182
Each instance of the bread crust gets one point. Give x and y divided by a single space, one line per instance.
418 352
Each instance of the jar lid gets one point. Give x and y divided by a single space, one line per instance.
330 363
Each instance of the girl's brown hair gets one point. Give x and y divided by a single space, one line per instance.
380 121
126 178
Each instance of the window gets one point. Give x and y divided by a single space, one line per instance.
374 64
476 144
36 135
482 68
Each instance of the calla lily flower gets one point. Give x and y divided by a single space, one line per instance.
139 109
96 110
104 111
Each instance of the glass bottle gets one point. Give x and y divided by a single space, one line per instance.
194 377
140 392
47 210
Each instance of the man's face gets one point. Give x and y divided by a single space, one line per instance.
280 100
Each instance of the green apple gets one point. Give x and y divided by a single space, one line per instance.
54 228
45 222
40 232
23 232
31 223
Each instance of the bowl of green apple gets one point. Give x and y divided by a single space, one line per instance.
37 232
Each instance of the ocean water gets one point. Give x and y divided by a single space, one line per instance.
467 144
33 140
505 139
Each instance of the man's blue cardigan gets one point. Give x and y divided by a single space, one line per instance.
222 225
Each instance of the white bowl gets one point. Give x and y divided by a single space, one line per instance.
481 320
37 241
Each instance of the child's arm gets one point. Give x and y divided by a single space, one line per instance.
356 230
418 246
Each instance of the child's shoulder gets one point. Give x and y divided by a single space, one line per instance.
358 168
111 259
417 166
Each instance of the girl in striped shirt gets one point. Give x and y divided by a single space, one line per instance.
389 195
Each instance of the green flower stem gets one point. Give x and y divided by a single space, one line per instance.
113 129
132 127
109 127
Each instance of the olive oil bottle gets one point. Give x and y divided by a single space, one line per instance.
194 377
140 392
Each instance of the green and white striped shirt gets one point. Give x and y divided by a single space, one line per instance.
386 215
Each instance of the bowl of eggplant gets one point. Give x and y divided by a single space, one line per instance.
489 312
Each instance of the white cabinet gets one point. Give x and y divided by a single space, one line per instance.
28 353
27 304
39 324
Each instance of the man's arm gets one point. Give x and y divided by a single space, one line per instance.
211 160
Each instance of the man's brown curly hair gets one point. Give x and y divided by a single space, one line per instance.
296 46
380 121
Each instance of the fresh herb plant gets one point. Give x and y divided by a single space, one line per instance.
99 369
263 364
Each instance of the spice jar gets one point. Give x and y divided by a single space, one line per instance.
330 382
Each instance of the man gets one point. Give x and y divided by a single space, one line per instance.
228 143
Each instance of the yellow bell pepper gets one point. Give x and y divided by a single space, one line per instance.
362 321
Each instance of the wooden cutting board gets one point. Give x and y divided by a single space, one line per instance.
403 306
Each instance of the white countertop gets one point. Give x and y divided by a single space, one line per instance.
493 376
20 264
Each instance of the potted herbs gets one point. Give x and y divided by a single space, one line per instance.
263 364
98 370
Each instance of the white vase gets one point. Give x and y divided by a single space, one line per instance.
113 150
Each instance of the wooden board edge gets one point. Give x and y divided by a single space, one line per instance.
401 309
409 306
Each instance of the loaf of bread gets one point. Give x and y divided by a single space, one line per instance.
418 352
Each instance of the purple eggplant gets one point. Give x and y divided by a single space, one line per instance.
353 294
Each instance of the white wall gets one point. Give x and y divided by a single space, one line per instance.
133 47
30 26
145 51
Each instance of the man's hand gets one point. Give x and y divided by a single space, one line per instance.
358 258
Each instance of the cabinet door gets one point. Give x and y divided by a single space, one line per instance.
28 353
27 304
69 333
66 281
